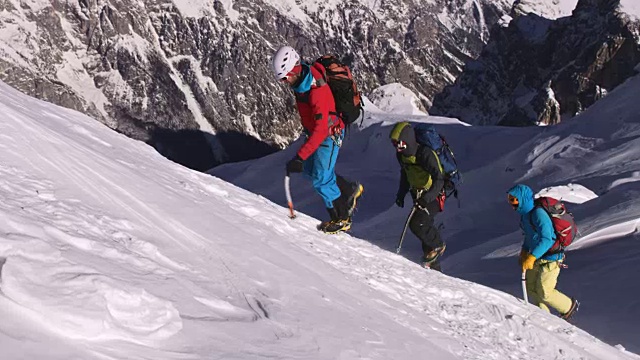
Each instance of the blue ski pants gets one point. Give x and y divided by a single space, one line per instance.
320 168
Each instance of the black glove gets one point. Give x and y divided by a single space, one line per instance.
400 201
295 165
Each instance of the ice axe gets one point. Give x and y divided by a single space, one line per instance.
404 230
287 191
524 287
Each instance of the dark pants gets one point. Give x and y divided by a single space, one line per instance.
340 210
346 187
422 226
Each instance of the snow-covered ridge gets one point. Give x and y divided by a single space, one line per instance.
554 9
631 7
109 250
550 9
396 99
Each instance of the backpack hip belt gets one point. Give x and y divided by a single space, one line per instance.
337 138
335 130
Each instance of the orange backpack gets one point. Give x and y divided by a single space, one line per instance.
345 92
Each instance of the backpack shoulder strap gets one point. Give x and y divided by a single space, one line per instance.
538 206
422 158
435 155
323 72
533 226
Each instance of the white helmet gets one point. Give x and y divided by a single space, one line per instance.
284 61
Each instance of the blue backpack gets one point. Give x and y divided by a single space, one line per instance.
427 135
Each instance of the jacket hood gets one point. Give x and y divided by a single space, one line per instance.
304 82
404 132
524 194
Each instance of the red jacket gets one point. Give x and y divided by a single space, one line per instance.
317 113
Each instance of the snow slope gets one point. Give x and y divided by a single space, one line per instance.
550 9
630 7
110 251
592 162
396 99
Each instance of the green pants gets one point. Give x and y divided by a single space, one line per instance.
541 287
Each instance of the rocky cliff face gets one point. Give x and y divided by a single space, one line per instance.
191 76
539 71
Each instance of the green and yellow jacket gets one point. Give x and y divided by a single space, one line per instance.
421 172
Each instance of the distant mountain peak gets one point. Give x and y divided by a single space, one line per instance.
537 70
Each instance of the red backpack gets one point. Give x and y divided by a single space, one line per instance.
345 92
563 223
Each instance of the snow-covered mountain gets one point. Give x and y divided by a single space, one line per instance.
549 9
535 70
108 250
171 72
592 162
395 99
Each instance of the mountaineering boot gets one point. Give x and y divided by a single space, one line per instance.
337 223
334 227
574 308
432 257
435 266
333 216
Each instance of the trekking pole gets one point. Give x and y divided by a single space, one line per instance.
524 287
287 191
404 231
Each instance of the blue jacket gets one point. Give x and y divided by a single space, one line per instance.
540 237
